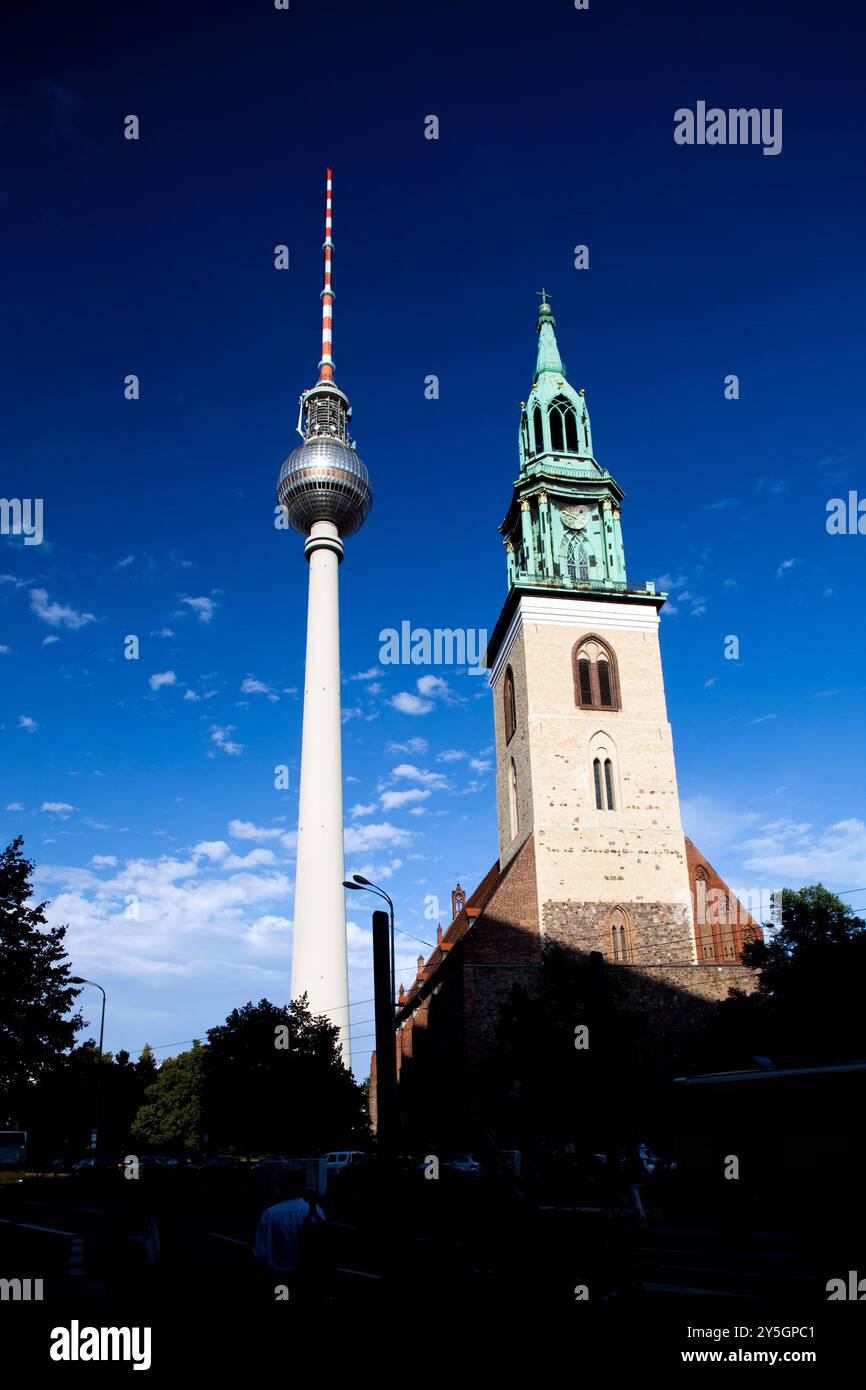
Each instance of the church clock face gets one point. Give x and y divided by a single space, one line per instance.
576 518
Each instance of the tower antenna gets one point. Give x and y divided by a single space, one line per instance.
326 366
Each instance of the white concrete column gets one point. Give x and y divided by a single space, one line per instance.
319 954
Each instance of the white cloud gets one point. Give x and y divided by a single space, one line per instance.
57 614
47 641
15 806
162 678
58 808
251 686
410 773
432 686
407 703
784 567
412 745
104 861
480 764
192 922
252 860
190 695
25 722
215 850
125 562
360 838
372 674
762 719
391 801
451 755
221 736
247 830
204 608
4 650
798 854
362 810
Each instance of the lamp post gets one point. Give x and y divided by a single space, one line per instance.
361 885
79 980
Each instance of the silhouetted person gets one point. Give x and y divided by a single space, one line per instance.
286 1238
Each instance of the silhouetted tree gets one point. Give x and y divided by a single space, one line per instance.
36 1023
274 1082
811 980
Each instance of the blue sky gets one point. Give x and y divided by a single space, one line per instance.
155 257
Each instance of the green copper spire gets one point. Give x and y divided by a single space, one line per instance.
562 531
549 359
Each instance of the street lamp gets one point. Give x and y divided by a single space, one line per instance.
79 980
361 884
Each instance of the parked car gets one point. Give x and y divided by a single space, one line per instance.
92 1163
339 1159
462 1163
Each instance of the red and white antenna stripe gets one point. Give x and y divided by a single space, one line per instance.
326 366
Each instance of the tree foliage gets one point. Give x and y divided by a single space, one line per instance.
811 981
274 1082
171 1116
37 1025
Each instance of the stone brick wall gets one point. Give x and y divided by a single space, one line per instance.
658 933
518 749
503 949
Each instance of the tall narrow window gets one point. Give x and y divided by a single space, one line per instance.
596 773
514 810
608 784
556 439
571 561
571 432
620 939
510 705
582 565
538 429
604 688
584 675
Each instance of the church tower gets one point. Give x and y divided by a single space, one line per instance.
586 781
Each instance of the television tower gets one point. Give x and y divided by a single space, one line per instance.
325 491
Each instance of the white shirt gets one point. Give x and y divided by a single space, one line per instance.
278 1238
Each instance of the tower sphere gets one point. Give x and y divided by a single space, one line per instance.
324 480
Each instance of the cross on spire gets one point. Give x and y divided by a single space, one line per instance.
544 298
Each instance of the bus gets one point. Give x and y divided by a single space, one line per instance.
781 1143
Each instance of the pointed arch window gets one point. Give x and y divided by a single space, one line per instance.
510 705
563 426
619 936
576 561
596 676
538 429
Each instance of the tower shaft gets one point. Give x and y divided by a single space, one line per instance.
319 953
324 490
